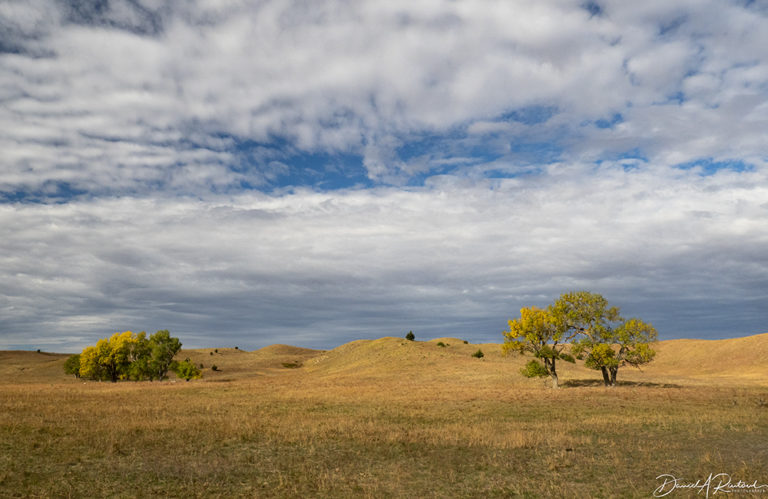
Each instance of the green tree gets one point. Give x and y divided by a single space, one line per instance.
539 332
186 370
139 367
72 365
163 348
410 336
584 312
629 343
589 316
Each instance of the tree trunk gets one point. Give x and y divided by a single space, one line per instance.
614 372
606 376
550 365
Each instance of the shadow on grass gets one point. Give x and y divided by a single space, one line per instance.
599 382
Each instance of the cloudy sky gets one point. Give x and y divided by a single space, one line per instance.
313 172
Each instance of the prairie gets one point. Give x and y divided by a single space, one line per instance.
386 418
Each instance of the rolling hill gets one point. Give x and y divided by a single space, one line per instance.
739 360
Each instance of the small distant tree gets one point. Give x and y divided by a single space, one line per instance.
539 332
186 369
72 365
479 354
410 336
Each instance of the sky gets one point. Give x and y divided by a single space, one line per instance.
245 173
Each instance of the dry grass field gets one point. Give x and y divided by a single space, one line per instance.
386 418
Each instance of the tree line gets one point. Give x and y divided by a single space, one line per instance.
131 356
579 325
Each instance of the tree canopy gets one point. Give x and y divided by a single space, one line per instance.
592 329
126 356
539 332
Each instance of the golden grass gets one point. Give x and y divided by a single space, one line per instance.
378 418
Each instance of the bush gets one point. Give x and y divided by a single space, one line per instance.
441 344
211 353
410 336
568 358
214 368
186 370
466 342
534 369
72 366
479 354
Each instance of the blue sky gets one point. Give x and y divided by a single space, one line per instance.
248 173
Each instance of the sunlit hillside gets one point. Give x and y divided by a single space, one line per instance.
384 418
441 360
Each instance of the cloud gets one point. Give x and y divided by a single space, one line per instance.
319 269
317 172
107 95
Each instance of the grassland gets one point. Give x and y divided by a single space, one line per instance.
385 418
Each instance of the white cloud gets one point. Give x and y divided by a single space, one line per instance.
322 268
167 104
363 76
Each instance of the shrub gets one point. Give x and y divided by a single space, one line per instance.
410 336
211 353
72 366
186 370
291 365
441 344
568 358
466 342
534 369
479 354
214 368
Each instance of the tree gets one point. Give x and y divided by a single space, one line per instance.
598 334
539 332
129 356
627 344
588 315
89 364
115 354
607 341
72 365
163 347
584 312
186 370
410 336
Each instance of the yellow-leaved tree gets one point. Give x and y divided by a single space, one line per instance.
538 332
595 330
129 355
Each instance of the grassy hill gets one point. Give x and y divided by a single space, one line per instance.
36 367
385 418
730 361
